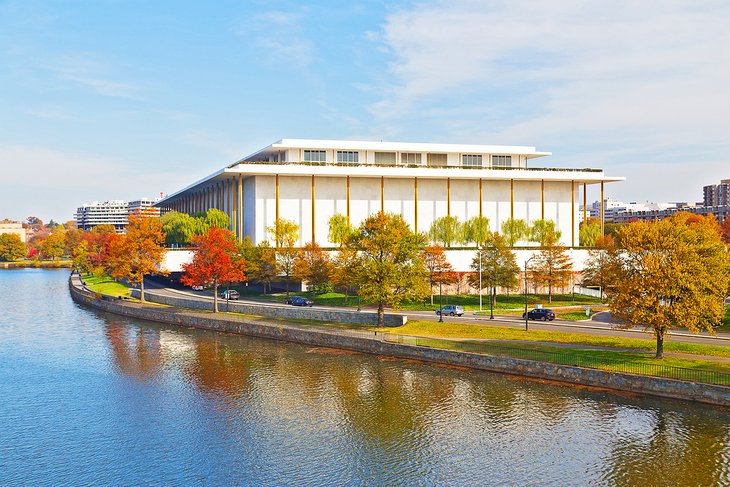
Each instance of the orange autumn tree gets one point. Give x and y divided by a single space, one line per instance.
139 252
216 260
438 267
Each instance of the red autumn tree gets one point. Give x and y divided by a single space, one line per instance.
216 260
438 267
140 251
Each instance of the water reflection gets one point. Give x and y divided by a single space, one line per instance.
391 419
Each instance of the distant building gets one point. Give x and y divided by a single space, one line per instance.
144 207
14 228
616 211
717 194
112 212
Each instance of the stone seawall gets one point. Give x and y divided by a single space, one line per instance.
369 342
285 312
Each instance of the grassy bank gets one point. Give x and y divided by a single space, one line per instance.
106 285
451 329
470 302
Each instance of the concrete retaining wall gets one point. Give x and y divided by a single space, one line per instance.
368 342
292 312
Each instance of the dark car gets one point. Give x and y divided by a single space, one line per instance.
230 294
299 301
451 310
542 314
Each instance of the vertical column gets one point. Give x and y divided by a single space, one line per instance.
542 199
512 199
276 195
585 202
313 218
347 190
234 208
572 213
481 205
603 209
448 196
382 194
240 207
415 204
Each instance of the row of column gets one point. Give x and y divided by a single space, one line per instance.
227 196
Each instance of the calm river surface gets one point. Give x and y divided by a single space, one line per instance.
90 398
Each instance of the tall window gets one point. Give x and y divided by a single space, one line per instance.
502 161
474 160
410 158
437 159
314 156
387 158
347 156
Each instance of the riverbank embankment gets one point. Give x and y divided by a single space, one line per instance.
380 344
37 264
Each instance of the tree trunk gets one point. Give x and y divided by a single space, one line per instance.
215 295
659 344
431 294
141 290
381 314
550 293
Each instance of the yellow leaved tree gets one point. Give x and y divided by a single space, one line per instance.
668 274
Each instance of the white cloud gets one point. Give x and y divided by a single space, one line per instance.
279 35
51 184
635 74
92 73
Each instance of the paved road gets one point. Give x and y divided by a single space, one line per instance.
598 328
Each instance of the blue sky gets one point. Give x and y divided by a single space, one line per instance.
124 99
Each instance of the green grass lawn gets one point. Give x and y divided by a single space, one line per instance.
451 329
468 301
106 285
631 362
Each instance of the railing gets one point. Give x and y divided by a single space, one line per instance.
417 166
571 359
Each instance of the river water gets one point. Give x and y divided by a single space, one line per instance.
88 398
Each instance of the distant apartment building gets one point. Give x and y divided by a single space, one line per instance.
717 194
112 212
616 211
14 228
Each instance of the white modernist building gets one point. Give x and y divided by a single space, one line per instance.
308 181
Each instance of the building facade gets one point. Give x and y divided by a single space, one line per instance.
717 194
308 181
14 228
113 212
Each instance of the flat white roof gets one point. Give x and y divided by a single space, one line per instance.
284 144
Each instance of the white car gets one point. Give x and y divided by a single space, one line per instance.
198 287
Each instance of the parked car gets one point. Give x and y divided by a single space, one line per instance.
299 301
230 294
451 310
542 314
198 287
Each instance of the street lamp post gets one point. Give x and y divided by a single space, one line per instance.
441 305
526 318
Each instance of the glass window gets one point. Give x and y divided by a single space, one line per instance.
347 156
437 159
314 156
502 161
471 160
385 158
410 158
